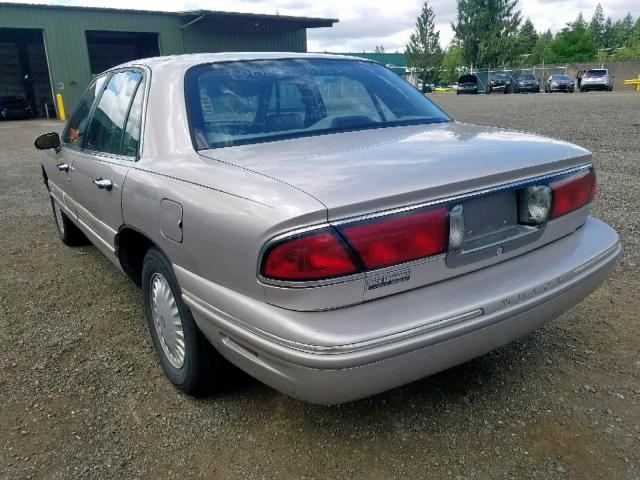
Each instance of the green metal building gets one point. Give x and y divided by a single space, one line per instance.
47 50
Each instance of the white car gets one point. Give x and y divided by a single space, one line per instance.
596 79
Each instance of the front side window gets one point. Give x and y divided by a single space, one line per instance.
244 102
105 133
76 128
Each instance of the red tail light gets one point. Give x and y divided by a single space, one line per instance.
572 192
377 243
311 257
399 239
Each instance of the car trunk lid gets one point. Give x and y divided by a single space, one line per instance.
372 175
361 172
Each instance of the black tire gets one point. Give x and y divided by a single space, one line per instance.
201 362
68 232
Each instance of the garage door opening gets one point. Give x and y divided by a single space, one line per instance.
24 71
108 48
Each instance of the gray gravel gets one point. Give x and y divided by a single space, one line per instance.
81 394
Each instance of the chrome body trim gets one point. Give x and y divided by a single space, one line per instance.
360 275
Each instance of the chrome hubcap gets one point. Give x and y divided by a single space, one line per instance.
58 213
167 321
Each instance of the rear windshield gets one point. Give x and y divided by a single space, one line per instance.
13 102
244 102
595 73
468 79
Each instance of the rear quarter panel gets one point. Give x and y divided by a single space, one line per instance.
223 232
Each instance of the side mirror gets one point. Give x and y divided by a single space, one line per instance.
47 141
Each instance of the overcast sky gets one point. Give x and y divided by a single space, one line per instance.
367 23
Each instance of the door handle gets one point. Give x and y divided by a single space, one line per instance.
103 183
63 167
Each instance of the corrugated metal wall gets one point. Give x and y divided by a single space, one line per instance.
68 55
65 40
212 35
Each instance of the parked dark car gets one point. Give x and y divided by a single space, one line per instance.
559 83
527 83
14 108
499 82
467 84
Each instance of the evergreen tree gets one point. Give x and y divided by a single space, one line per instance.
487 31
597 26
573 43
580 22
541 49
608 36
623 31
527 38
424 52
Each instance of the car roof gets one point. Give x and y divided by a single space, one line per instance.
189 60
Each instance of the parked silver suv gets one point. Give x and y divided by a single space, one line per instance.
596 79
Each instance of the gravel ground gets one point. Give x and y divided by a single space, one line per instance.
82 396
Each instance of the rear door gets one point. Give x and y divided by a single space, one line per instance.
110 147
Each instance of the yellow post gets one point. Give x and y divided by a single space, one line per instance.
634 82
60 107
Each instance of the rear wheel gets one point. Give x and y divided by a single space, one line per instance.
68 232
187 358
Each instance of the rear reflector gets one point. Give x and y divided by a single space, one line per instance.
572 192
381 243
311 257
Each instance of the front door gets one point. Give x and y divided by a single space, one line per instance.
58 164
110 147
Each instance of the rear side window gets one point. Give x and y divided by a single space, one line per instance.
106 131
131 138
76 128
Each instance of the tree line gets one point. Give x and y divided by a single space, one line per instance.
492 33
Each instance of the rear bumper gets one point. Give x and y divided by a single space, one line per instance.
594 86
561 88
455 320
